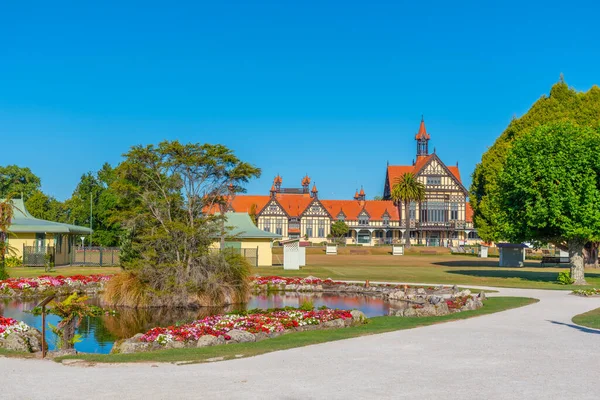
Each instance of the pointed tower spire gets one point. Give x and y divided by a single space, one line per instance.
422 138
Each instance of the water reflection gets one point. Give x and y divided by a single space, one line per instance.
99 333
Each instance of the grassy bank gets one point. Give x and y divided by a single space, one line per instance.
591 319
32 272
444 269
376 325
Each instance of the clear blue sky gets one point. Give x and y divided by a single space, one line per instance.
333 89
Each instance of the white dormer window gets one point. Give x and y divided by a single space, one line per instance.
341 217
363 219
386 219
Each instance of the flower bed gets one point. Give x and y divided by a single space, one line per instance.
238 328
10 325
587 292
35 286
268 322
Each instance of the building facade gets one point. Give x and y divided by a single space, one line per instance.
444 218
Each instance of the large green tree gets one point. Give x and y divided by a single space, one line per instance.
16 181
548 190
563 104
407 189
164 193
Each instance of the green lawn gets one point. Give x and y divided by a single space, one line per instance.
32 272
443 269
591 319
439 268
9 353
299 339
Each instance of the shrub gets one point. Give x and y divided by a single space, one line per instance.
307 305
12 262
213 279
564 278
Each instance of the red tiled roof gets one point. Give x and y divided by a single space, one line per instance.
294 204
243 203
352 208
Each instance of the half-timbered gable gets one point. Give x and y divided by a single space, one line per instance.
316 220
435 175
273 218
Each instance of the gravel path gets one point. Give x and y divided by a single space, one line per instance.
534 352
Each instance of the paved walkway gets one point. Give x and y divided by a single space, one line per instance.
533 352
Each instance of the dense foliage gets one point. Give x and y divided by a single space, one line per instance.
548 190
563 104
164 193
339 229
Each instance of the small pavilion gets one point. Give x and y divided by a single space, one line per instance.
33 238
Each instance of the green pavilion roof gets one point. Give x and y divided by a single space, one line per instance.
243 227
23 222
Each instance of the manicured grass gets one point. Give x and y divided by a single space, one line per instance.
591 319
10 353
443 269
32 272
299 339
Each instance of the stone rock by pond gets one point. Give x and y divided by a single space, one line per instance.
134 345
239 336
25 342
336 323
422 310
209 340
358 317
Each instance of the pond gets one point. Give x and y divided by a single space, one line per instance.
99 333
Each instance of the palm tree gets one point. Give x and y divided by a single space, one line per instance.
406 189
6 216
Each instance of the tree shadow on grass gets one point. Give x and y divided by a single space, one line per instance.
578 327
489 263
533 276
